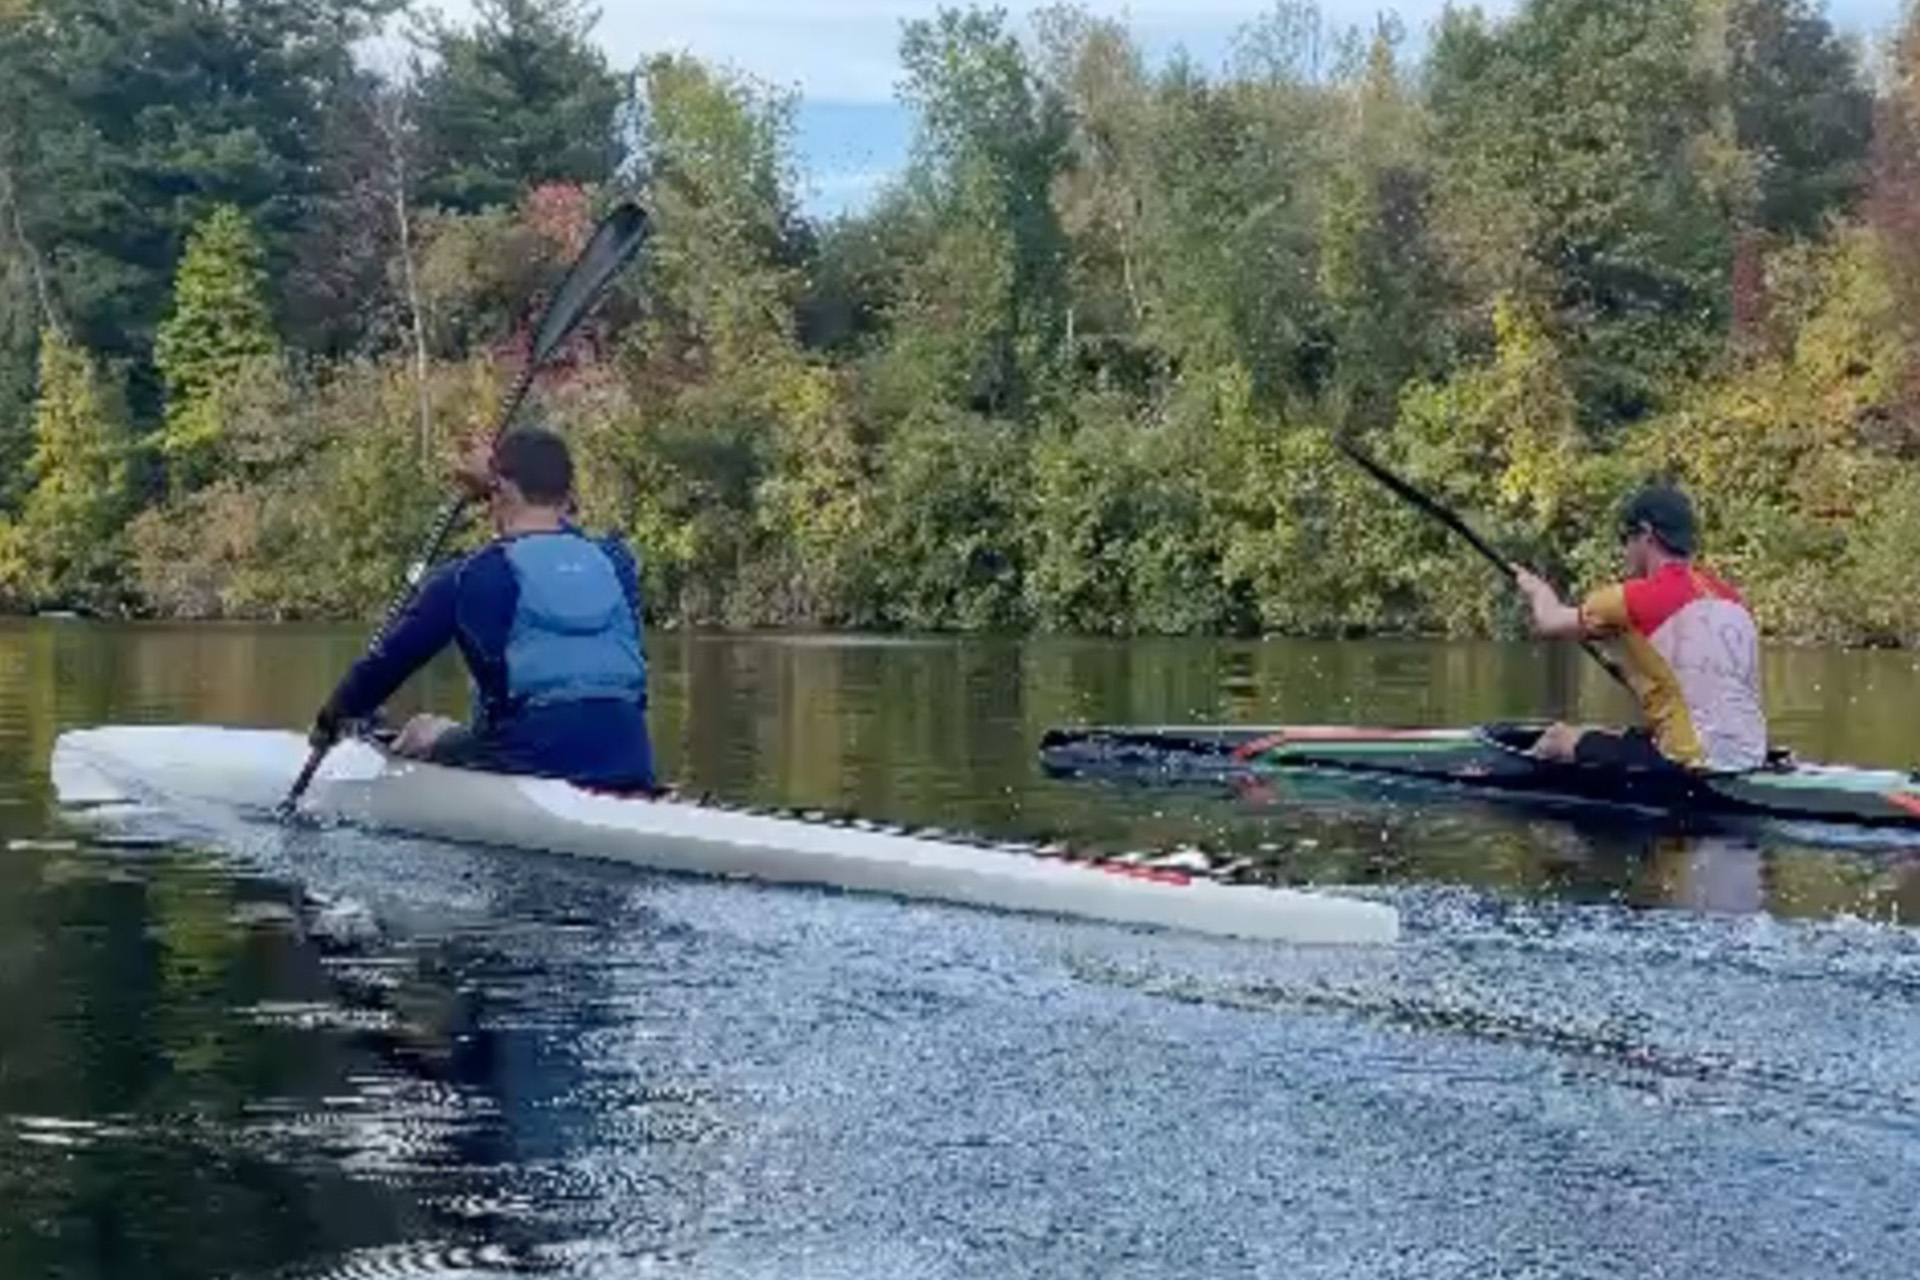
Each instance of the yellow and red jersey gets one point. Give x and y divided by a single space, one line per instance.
1692 651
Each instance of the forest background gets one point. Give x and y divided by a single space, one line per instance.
1078 369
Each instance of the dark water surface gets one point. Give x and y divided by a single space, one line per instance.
1596 1053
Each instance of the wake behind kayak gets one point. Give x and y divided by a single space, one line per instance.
362 785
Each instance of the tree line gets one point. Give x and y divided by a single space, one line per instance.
1080 367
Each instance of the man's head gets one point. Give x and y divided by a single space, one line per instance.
1656 525
533 475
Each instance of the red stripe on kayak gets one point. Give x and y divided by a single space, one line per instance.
1331 733
1905 800
1349 733
1156 875
1248 750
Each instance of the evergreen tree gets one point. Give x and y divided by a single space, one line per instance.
219 327
521 98
67 539
129 121
18 319
1802 110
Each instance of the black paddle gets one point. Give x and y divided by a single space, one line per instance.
614 243
1446 517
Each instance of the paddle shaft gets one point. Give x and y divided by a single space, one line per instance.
443 526
613 245
449 516
1447 517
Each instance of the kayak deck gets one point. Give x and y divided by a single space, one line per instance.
1489 758
359 784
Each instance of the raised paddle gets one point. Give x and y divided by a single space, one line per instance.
1445 516
614 244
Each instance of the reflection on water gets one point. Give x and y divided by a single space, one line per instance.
1603 1049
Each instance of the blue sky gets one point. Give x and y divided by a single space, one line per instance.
841 56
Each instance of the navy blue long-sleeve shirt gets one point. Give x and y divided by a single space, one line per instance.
471 603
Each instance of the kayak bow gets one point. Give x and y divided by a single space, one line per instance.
1488 758
360 784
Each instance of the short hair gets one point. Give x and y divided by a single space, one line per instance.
537 462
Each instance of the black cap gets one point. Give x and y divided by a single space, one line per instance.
1666 513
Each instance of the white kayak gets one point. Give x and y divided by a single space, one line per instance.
359 784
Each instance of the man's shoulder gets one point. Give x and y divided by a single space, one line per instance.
484 571
481 560
497 558
1674 587
1721 585
614 544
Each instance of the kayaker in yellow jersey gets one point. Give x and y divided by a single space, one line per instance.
1691 646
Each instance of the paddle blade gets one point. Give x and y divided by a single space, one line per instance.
614 243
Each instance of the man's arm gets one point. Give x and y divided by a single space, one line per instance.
423 630
1553 617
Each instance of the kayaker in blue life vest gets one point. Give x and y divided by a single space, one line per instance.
547 620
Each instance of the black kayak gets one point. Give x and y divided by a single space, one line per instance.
1491 759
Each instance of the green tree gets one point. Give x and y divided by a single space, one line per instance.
129 122
346 290
1566 139
1795 457
1098 73
748 493
67 544
983 311
1380 271
1802 110
854 277
1124 535
520 98
721 275
19 315
1081 367
477 271
220 327
949 508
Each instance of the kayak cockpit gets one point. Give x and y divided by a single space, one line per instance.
1519 737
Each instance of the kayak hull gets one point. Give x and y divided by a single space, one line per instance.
360 784
1490 759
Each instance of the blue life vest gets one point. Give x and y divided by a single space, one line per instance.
574 634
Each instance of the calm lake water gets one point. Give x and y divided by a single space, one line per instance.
1598 1052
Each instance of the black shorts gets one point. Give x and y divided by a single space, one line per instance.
1627 749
